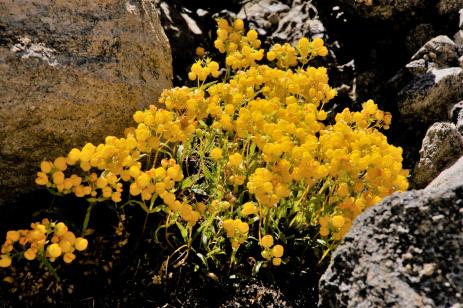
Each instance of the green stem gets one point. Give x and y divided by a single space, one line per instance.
48 265
144 224
87 218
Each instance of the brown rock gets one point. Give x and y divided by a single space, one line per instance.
72 72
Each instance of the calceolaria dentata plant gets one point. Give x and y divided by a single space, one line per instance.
243 159
45 242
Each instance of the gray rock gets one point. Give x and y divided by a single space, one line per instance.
460 22
458 38
441 147
404 252
264 14
440 52
283 23
417 67
449 6
397 10
449 177
72 72
386 10
300 21
454 111
456 116
428 96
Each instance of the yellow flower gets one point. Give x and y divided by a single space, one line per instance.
65 246
200 51
81 243
243 227
277 251
12 236
42 178
46 166
61 229
54 251
252 35
238 25
249 208
267 241
5 261
60 163
30 254
216 154
235 159
68 257
324 231
343 190
276 261
338 221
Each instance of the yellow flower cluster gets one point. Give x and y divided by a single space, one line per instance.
270 251
237 231
48 239
235 167
201 69
186 211
288 56
242 50
268 187
249 208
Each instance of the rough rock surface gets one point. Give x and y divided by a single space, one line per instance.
433 83
456 116
428 96
385 10
279 22
72 72
264 14
441 147
448 6
449 177
395 9
404 252
439 52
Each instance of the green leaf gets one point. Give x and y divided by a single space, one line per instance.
207 174
256 268
204 239
183 231
203 259
321 242
252 149
190 181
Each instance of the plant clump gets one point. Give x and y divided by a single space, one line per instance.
248 158
46 242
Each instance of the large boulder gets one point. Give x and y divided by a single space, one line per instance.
386 9
449 177
72 72
431 81
398 10
405 252
442 147
456 116
429 95
438 52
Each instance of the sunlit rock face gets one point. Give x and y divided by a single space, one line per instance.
72 72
